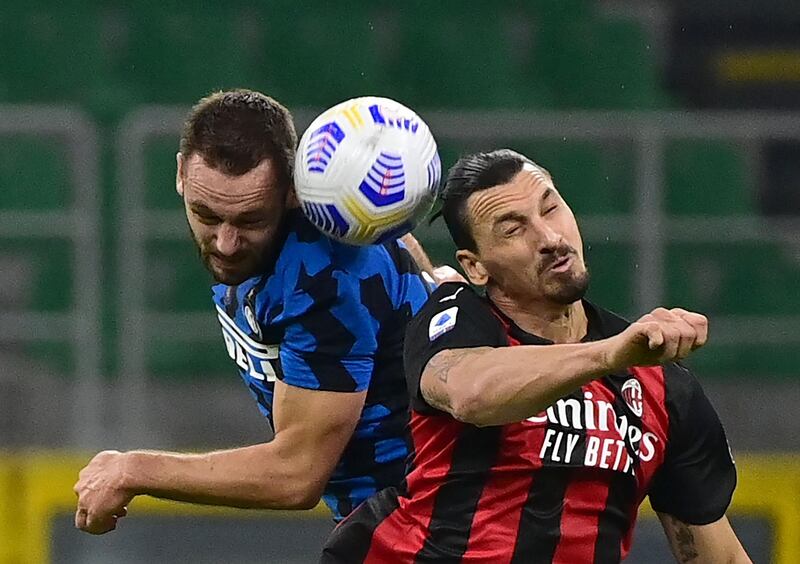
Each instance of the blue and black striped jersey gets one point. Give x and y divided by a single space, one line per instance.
329 316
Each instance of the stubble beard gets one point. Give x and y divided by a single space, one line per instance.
569 290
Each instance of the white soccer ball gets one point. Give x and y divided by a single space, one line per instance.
367 170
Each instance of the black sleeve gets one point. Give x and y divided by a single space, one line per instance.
696 481
454 317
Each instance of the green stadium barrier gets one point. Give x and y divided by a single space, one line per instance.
34 174
707 178
38 487
742 278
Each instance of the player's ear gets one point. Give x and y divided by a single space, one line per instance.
472 267
179 161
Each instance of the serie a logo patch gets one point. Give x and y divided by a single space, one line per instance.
442 322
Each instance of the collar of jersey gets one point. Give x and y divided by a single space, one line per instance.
597 325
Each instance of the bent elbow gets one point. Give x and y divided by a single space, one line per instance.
472 406
307 494
297 495
308 501
481 401
476 417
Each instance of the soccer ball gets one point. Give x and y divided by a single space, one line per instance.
367 170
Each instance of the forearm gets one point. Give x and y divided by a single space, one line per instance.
495 386
256 476
418 253
701 544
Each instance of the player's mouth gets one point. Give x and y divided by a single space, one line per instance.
561 265
223 263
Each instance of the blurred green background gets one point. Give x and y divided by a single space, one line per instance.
108 59
672 129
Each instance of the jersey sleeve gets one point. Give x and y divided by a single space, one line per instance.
454 317
330 340
696 481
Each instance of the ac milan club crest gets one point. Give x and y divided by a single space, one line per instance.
632 394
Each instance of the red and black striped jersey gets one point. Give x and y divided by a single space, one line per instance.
562 486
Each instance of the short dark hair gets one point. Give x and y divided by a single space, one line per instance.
235 130
471 173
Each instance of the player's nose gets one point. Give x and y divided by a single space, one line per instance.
548 239
228 240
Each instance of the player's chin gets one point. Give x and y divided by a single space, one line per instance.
230 279
230 276
229 273
567 288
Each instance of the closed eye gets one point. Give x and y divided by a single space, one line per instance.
252 222
207 219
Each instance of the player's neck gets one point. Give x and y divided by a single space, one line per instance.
555 322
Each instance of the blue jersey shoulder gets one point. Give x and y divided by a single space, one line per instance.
330 316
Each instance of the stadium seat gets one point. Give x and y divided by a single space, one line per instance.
31 267
160 173
68 54
594 178
337 52
37 276
190 360
707 178
179 55
42 58
599 64
177 281
34 174
744 361
612 267
626 73
469 58
733 278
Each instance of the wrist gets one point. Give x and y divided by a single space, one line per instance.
132 472
609 357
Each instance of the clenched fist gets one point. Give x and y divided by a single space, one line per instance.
661 336
102 497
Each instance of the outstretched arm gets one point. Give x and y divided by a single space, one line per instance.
494 386
715 543
290 472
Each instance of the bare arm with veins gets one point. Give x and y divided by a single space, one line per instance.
715 543
312 429
499 385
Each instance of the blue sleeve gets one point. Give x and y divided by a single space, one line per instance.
331 338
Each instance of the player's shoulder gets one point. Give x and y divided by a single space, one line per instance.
399 257
306 244
680 383
453 299
455 293
603 322
219 292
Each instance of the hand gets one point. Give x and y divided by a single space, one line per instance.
442 274
102 499
658 337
